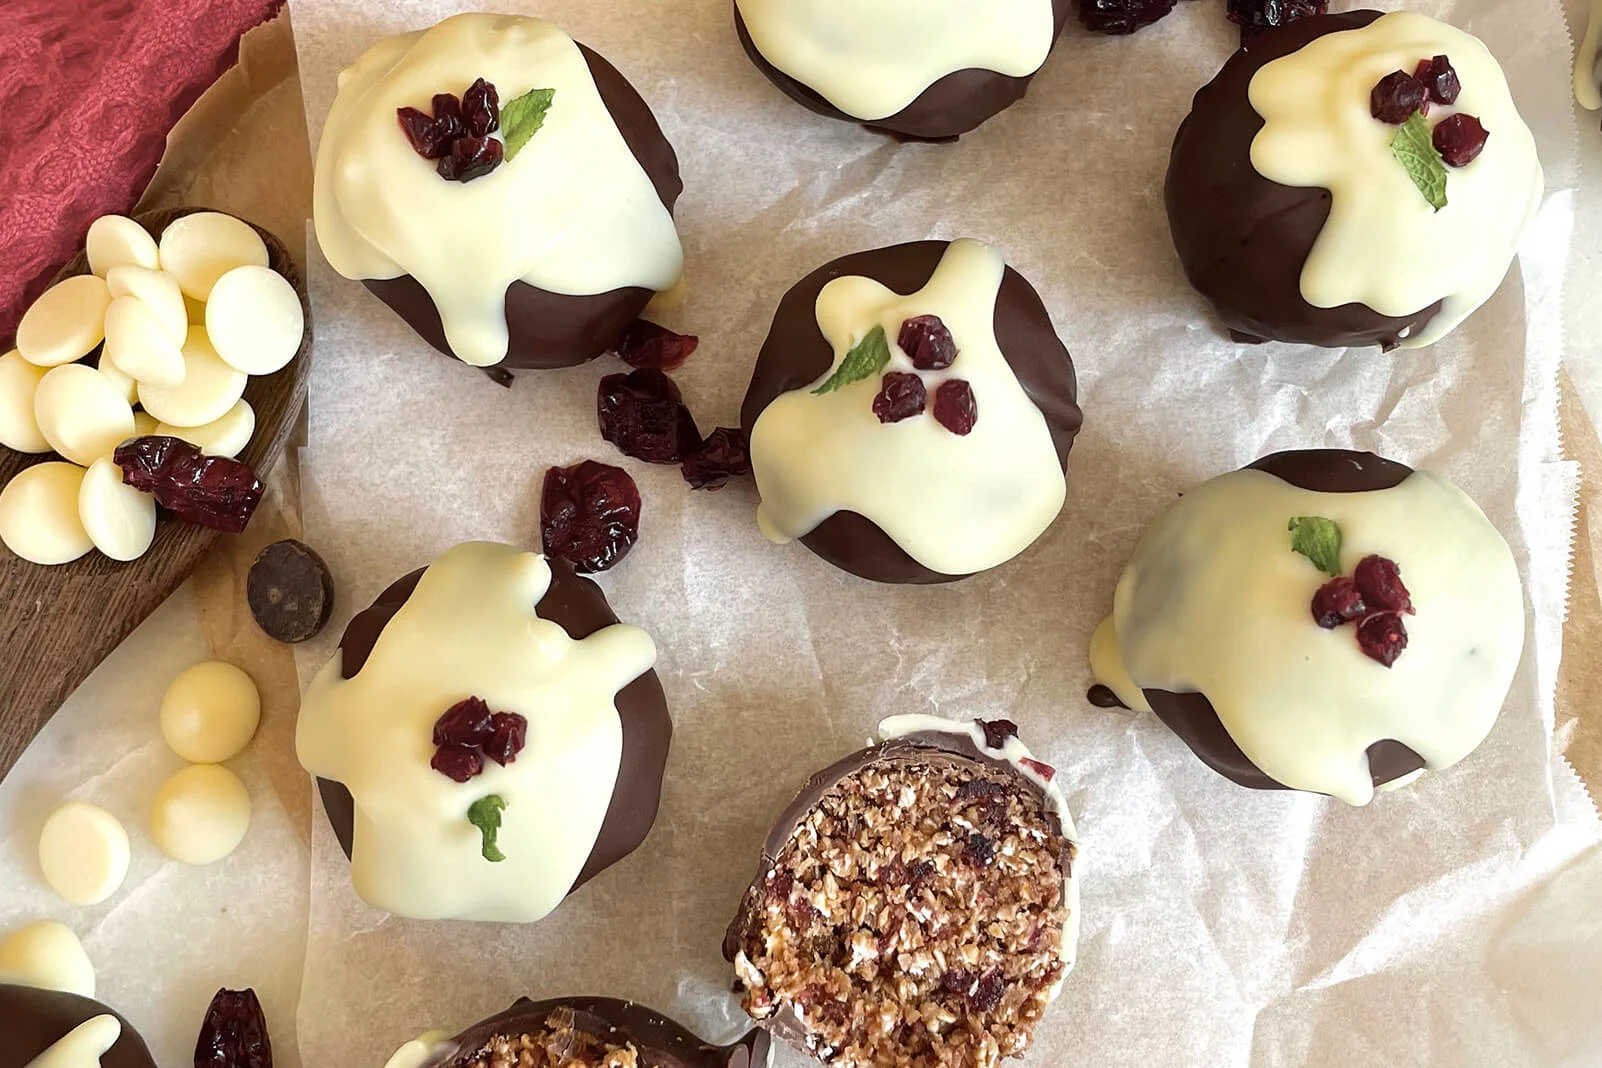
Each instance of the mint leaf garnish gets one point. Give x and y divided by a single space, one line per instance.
867 357
521 118
1414 149
1319 540
485 814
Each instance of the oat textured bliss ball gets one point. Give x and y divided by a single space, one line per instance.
54 1029
1352 179
1322 620
501 187
915 904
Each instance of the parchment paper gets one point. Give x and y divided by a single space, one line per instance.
1452 923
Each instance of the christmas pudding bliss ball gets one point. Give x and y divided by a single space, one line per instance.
487 739
501 187
1352 179
1323 620
911 412
917 69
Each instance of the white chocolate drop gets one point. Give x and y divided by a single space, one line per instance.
83 1046
138 345
157 291
574 213
65 323
210 387
198 249
119 519
254 320
126 387
118 241
19 380
210 713
1587 86
47 955
82 413
200 815
227 436
39 514
1383 245
83 852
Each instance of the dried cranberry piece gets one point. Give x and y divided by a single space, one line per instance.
927 343
956 983
643 414
645 344
481 109
457 762
470 157
234 1033
780 885
955 407
448 116
1397 96
987 993
1382 637
1459 139
467 723
428 138
589 515
1045 771
1439 79
997 731
1121 16
722 456
1338 601
1255 16
901 396
1379 580
507 739
979 850
209 491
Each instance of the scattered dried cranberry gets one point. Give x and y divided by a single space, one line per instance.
955 407
979 850
927 343
481 109
644 344
589 515
1338 601
457 762
209 491
1121 16
467 723
1379 580
780 885
987 993
429 139
956 983
997 731
724 454
1382 637
1459 139
1397 96
234 1033
470 157
1439 79
1045 771
509 736
448 116
643 414
901 396
1255 16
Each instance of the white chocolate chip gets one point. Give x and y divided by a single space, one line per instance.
139 345
210 713
145 424
119 519
158 291
227 436
82 413
47 956
209 389
39 514
202 247
127 387
117 241
83 1046
19 430
201 814
65 323
254 320
83 851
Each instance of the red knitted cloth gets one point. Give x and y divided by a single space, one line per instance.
88 91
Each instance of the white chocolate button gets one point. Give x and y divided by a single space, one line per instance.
145 424
127 387
200 814
138 344
82 413
83 852
209 389
39 514
254 320
159 292
227 436
119 519
210 713
19 430
47 956
202 247
83 1046
118 241
65 323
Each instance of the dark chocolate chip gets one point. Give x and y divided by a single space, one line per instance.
290 591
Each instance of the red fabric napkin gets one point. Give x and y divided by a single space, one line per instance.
88 91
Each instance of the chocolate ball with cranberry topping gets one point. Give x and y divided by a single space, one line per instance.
33 1020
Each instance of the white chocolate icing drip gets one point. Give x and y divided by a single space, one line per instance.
1587 85
83 1046
872 59
956 504
1384 245
469 629
1215 601
574 213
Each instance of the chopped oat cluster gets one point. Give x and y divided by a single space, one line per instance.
559 1044
914 920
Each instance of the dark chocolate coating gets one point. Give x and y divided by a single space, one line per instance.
661 1042
31 1021
796 354
1243 239
578 606
946 110
1192 716
553 329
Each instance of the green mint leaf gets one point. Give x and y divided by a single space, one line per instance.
521 118
867 357
1319 540
1414 149
485 814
